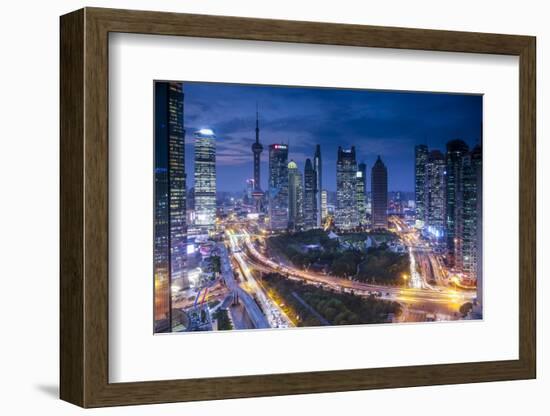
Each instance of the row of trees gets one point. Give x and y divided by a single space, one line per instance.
336 308
222 316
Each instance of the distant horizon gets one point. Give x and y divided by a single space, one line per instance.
385 123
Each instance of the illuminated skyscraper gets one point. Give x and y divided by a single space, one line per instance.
310 200
295 197
478 305
456 150
161 251
324 204
205 179
361 193
318 168
347 216
379 191
170 239
471 215
435 194
420 161
278 186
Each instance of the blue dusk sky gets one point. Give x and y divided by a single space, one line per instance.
385 123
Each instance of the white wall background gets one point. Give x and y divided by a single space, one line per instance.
29 158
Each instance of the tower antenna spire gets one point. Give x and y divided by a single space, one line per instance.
257 124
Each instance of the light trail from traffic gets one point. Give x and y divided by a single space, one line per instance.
274 314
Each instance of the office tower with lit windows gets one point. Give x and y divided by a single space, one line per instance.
318 168
478 304
205 179
347 216
470 213
435 195
420 161
161 251
278 187
324 204
361 193
379 195
295 197
170 227
310 200
456 151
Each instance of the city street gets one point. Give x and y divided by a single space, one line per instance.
441 301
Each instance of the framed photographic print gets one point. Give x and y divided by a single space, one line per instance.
261 207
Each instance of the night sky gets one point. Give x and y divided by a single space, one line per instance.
384 123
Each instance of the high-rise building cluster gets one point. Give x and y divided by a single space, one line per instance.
447 196
294 200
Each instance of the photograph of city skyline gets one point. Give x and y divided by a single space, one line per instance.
284 207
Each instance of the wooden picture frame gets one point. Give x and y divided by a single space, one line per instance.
84 207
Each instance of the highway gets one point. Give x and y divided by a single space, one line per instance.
443 301
253 310
252 289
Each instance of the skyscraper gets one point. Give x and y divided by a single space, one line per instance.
435 195
379 191
310 200
205 179
456 150
478 306
361 193
471 215
324 204
295 197
170 229
278 186
347 216
161 251
420 161
318 168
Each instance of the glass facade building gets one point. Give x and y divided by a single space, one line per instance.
361 193
420 177
295 197
456 150
435 195
472 172
205 179
379 195
278 187
310 196
170 228
347 216
324 204
318 168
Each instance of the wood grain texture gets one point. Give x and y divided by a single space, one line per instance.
84 207
71 208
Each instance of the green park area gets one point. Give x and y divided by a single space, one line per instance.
365 257
309 305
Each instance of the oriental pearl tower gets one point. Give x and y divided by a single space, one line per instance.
257 150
